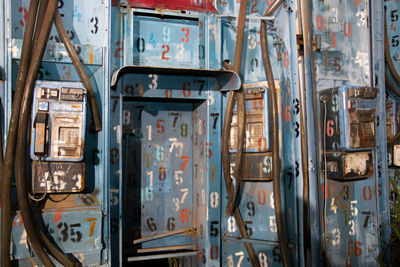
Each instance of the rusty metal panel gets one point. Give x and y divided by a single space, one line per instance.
75 231
87 25
350 211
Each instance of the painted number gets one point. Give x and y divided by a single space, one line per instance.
329 128
354 248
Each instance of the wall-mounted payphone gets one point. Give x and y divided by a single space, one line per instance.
58 137
348 117
257 159
392 128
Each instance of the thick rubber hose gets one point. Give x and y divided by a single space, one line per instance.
276 164
12 135
239 99
236 212
80 70
239 96
39 22
56 252
20 158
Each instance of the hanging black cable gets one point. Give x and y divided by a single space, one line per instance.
9 157
39 21
26 80
239 98
20 158
80 70
280 223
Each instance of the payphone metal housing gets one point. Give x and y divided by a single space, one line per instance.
257 157
348 117
392 129
58 137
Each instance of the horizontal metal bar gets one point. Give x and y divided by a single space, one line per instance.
249 17
259 180
188 231
229 238
255 85
146 250
226 80
163 256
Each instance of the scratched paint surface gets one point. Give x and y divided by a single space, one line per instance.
339 25
178 149
77 231
256 200
176 43
348 210
85 30
252 68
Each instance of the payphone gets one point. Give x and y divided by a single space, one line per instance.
257 158
348 117
58 137
392 123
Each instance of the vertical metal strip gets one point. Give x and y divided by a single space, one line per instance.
309 106
105 136
377 80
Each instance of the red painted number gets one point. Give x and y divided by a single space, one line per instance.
214 252
286 59
162 173
186 160
160 127
287 113
25 16
253 10
347 30
186 31
168 93
333 44
165 52
320 23
184 215
186 89
209 151
119 49
329 128
262 197
354 248
367 193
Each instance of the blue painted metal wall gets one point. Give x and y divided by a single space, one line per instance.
156 166
78 223
353 214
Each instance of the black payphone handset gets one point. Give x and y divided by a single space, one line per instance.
348 117
41 129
